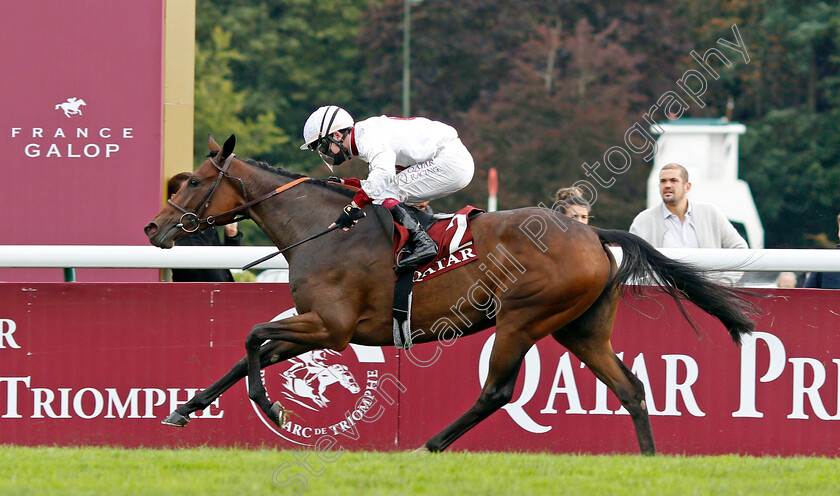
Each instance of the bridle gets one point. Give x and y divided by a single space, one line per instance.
192 221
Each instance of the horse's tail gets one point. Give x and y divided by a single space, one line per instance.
642 262
58 106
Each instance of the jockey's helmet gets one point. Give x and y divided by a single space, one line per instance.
318 129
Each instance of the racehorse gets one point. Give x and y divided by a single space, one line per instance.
541 274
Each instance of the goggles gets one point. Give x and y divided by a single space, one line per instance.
322 146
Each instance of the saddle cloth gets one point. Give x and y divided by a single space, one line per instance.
453 236
456 248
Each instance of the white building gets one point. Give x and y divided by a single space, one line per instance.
708 148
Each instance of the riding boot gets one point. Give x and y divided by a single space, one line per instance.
425 249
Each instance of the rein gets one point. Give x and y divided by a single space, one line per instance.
191 221
263 198
272 255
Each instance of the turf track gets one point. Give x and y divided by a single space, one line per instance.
253 472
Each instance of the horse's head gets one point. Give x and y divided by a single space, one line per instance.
204 200
345 377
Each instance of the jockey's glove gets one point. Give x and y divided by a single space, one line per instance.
349 216
333 179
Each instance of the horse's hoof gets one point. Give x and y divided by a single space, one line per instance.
175 419
278 414
421 450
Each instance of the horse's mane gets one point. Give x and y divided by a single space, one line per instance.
283 172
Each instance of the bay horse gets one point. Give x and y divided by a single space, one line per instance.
556 277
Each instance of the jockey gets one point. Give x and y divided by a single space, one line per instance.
311 363
409 161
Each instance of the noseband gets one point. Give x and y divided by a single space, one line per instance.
191 221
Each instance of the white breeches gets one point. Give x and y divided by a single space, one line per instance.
449 171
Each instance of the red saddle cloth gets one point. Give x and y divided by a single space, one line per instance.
454 239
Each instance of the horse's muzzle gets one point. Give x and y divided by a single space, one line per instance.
155 236
151 229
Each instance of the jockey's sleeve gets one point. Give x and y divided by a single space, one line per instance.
382 173
361 199
352 181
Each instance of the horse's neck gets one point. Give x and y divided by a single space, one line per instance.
326 376
296 213
306 210
330 370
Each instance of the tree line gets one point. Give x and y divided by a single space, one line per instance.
537 88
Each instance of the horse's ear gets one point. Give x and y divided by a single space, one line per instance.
227 148
213 145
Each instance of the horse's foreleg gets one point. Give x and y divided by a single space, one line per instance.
507 355
269 354
307 331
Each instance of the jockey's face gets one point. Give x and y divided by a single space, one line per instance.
333 149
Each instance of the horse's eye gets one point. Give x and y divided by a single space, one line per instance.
193 182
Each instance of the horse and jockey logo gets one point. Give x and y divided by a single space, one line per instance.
307 379
71 106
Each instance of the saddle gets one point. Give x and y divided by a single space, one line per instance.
451 232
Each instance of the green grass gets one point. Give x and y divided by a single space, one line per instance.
232 471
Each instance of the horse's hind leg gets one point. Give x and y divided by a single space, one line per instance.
630 391
588 337
507 355
270 353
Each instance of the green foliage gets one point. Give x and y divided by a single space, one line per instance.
790 101
535 88
545 124
292 57
252 235
244 276
459 51
795 155
219 107
538 87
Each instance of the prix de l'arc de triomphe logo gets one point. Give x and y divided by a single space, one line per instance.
326 392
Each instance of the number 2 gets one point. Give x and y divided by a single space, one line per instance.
460 230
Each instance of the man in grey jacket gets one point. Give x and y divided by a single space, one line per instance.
678 223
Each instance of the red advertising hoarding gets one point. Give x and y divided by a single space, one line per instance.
81 121
105 363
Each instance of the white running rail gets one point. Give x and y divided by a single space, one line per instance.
235 257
